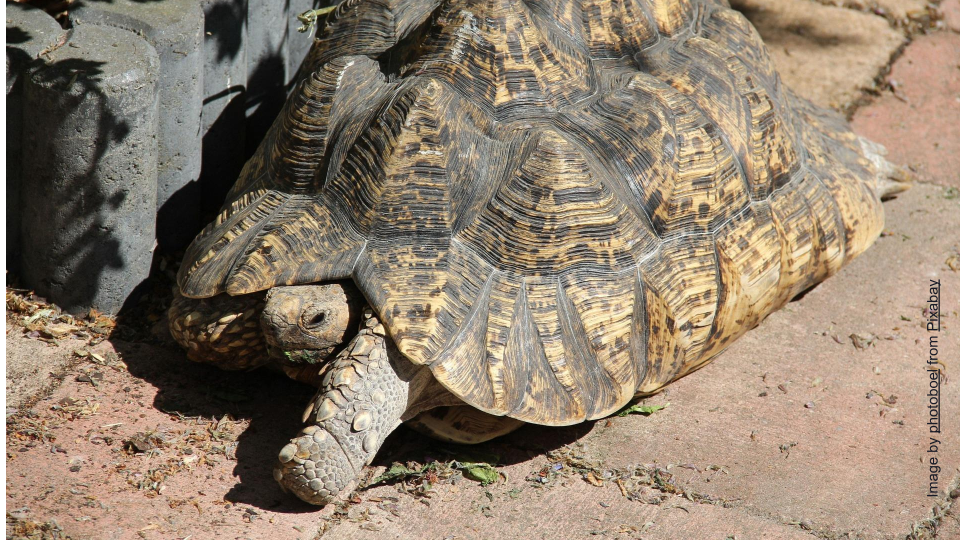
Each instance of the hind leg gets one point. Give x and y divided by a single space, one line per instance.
463 424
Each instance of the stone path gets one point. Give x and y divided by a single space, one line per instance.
794 432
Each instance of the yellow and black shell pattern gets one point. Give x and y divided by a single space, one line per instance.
556 205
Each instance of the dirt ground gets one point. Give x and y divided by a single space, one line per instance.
810 426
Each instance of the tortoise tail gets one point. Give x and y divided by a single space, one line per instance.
891 178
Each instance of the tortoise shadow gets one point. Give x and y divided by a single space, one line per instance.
270 402
776 31
524 444
273 404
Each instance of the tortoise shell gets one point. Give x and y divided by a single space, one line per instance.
556 205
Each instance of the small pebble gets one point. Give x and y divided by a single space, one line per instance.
955 494
19 513
809 405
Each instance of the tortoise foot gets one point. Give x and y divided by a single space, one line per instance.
360 402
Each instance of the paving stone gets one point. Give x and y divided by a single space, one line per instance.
852 470
896 9
899 9
846 464
919 123
572 511
825 53
30 364
950 524
140 398
90 157
951 14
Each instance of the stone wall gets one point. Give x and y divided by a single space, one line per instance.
126 129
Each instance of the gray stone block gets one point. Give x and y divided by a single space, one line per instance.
266 39
299 43
224 97
90 169
175 29
30 31
275 50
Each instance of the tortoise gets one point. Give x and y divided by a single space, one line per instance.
475 214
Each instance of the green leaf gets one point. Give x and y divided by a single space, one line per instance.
304 356
309 18
42 314
396 471
481 472
645 410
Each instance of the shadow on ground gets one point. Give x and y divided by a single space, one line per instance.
273 405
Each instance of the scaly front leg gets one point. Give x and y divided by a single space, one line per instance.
360 402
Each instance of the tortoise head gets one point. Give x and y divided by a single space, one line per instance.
298 325
307 323
305 318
